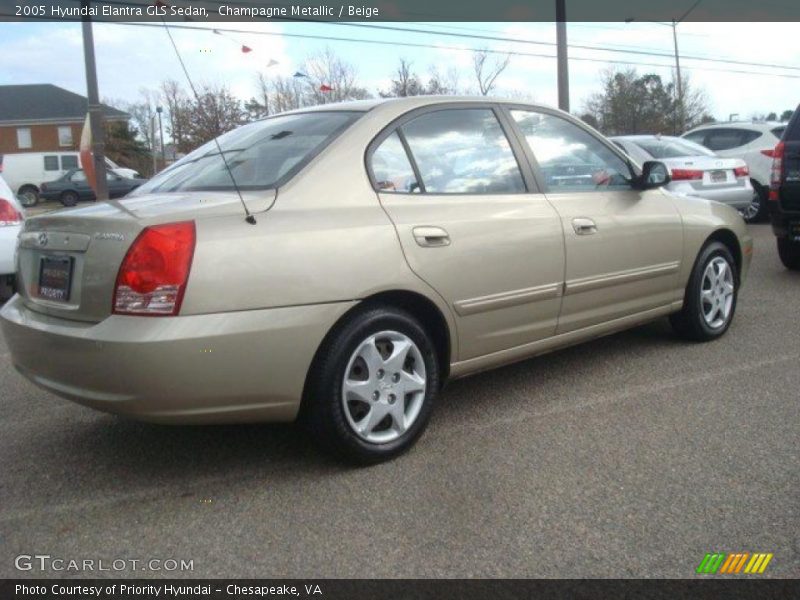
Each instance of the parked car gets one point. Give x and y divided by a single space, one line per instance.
753 142
694 170
10 224
26 171
388 246
784 194
72 186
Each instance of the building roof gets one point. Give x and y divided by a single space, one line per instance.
44 102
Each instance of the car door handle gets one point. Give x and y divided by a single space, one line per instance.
584 226
431 237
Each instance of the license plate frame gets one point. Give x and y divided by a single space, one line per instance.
55 277
718 176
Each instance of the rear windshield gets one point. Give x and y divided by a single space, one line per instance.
260 155
672 148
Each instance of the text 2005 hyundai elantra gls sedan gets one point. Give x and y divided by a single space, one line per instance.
395 244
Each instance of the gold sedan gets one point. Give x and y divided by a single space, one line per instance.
339 263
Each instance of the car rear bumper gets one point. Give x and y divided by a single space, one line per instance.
218 368
8 244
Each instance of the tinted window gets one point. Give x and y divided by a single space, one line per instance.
51 163
671 148
69 161
570 158
725 139
778 131
463 151
391 168
77 176
698 137
259 155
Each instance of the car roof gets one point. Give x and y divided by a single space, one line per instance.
648 136
409 102
750 125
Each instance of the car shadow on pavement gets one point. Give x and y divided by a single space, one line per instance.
109 450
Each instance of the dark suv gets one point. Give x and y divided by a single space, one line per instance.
784 194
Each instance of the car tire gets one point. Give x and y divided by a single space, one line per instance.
710 299
361 403
69 198
28 196
757 211
789 253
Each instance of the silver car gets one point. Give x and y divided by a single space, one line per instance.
694 170
377 249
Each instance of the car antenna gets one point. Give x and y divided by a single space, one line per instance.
248 215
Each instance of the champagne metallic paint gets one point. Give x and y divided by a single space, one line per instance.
515 280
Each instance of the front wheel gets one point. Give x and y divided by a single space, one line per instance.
710 298
372 387
28 196
789 252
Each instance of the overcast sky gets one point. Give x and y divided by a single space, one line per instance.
130 58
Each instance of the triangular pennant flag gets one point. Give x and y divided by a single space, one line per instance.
87 159
299 74
272 63
325 88
246 49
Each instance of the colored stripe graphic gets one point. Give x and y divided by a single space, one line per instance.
711 562
734 563
758 563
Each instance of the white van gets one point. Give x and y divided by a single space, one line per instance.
26 171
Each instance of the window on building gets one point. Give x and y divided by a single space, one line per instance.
24 138
65 136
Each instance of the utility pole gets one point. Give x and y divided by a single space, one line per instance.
561 55
678 74
95 108
159 110
153 144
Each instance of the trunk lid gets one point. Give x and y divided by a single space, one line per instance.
86 246
718 173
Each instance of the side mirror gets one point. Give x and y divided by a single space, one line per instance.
654 174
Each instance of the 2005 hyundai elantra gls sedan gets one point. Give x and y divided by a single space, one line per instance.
395 244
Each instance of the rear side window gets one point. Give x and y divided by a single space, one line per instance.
728 138
392 169
69 161
778 131
51 163
463 151
260 155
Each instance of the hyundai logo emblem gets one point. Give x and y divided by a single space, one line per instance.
43 239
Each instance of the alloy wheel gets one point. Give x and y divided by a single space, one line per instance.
716 292
384 387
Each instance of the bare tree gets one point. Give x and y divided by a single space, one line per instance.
142 113
214 112
405 82
330 79
487 71
178 114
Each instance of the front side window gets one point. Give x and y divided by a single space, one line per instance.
570 158
24 138
391 168
69 161
463 151
260 154
51 163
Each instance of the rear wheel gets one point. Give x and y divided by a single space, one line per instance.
789 252
710 299
757 211
69 198
28 196
372 388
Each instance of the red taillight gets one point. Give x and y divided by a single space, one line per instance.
153 275
777 171
686 174
9 215
769 152
741 171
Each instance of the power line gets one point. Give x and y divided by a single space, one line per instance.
445 47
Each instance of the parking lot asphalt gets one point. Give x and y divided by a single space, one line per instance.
629 456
